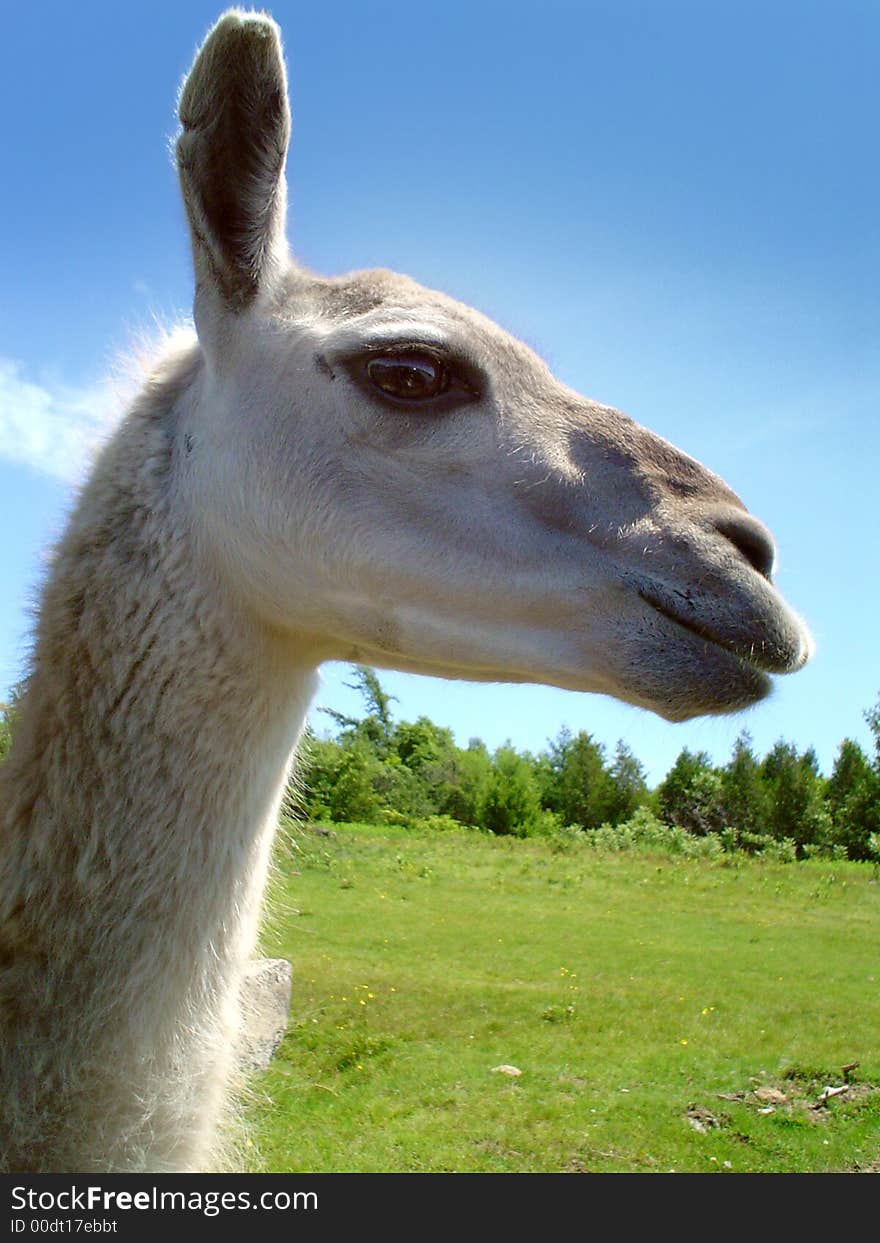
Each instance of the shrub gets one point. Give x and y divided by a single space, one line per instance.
824 850
644 831
435 824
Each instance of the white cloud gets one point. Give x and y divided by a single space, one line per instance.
51 427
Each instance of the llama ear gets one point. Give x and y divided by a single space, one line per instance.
230 156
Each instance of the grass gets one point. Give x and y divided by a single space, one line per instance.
635 994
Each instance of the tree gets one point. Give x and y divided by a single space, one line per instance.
399 788
353 796
511 803
335 781
464 789
744 798
851 770
853 795
309 791
421 744
796 796
578 786
630 789
690 795
376 698
375 727
872 716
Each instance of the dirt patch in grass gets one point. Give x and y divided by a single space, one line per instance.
817 1096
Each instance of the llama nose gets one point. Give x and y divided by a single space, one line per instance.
750 538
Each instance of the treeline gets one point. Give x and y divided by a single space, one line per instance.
375 769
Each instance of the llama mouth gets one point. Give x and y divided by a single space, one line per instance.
775 648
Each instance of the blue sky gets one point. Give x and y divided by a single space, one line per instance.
675 203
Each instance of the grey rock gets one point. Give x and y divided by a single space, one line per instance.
265 1009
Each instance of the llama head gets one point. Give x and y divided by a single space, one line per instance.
383 473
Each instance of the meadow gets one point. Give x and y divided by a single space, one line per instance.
663 1012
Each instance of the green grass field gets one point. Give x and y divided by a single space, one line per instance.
636 994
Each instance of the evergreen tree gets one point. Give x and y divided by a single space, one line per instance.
690 795
744 798
578 786
630 789
374 728
852 769
872 716
796 796
854 793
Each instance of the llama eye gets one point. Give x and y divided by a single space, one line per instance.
409 376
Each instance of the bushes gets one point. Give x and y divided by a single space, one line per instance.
421 824
644 831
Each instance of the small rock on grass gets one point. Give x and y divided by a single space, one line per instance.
771 1096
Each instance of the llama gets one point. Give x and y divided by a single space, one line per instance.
351 468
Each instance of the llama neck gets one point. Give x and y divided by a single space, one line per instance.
140 802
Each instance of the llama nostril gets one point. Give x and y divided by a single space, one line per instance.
751 538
